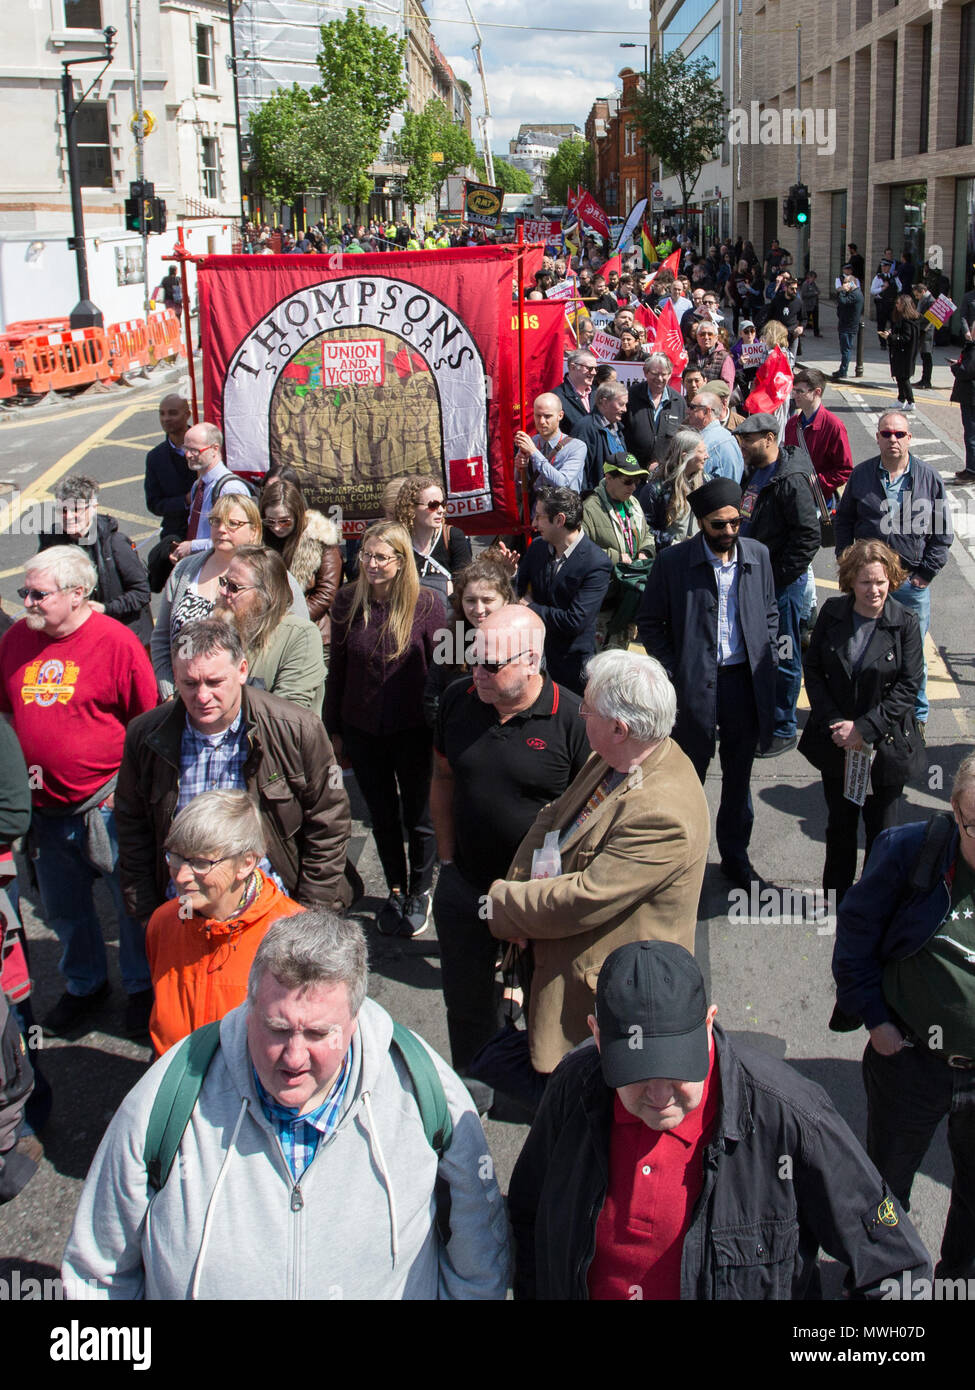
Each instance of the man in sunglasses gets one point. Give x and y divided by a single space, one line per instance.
508 740
710 618
574 392
71 679
899 499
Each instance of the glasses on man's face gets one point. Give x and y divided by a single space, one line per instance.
200 867
195 453
229 525
893 434
493 667
36 595
430 506
731 524
369 557
229 587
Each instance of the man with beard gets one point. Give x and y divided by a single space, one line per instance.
710 618
284 652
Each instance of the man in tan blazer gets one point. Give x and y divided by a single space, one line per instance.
632 835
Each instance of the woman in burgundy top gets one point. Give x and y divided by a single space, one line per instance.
384 631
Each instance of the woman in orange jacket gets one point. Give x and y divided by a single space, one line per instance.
201 943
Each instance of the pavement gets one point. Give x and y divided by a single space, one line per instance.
769 977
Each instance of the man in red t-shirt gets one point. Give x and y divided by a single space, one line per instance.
665 1163
71 679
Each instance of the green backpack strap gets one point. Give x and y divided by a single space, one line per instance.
176 1100
428 1089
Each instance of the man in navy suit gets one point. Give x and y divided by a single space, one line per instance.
710 617
565 576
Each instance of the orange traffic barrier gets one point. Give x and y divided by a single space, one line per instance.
8 386
45 362
128 345
164 335
27 328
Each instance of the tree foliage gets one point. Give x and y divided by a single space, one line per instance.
506 176
425 133
303 145
571 164
361 65
681 116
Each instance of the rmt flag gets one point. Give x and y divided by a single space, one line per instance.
773 385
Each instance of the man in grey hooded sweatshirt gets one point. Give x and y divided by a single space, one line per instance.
304 1171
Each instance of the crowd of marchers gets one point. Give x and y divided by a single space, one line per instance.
530 726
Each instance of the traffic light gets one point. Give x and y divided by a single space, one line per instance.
158 223
139 206
801 204
789 208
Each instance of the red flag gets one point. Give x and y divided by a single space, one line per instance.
642 313
670 341
772 386
592 214
614 263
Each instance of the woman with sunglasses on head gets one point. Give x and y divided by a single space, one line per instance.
438 549
192 589
479 589
384 634
862 674
309 545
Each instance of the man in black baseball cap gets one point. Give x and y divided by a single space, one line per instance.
664 1163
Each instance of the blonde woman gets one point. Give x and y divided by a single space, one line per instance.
384 629
193 587
664 498
776 335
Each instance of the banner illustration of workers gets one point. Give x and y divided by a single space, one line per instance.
358 369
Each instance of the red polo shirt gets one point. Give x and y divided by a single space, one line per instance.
654 1182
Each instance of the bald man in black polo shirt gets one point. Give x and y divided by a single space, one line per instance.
508 741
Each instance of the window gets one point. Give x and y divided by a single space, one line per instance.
966 75
684 21
922 137
92 138
82 14
204 55
210 168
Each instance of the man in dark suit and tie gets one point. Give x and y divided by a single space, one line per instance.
563 577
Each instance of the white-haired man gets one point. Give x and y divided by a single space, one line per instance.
618 857
576 387
71 679
307 1166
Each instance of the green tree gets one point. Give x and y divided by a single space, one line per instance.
362 65
303 145
424 134
571 164
681 116
506 176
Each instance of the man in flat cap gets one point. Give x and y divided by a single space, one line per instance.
777 508
665 1163
710 617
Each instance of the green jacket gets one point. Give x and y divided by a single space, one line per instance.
292 665
600 523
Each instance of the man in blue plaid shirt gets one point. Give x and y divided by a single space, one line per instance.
221 733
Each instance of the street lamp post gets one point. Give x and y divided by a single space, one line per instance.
85 314
646 83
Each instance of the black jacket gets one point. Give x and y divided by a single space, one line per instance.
902 346
573 409
567 603
647 442
678 624
123 584
600 445
919 529
784 517
879 697
849 307
783 1175
168 481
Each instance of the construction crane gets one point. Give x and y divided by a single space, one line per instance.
483 122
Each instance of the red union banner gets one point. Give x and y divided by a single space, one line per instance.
358 369
539 229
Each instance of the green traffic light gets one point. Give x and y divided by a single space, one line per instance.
802 218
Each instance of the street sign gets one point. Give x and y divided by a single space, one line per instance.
656 197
